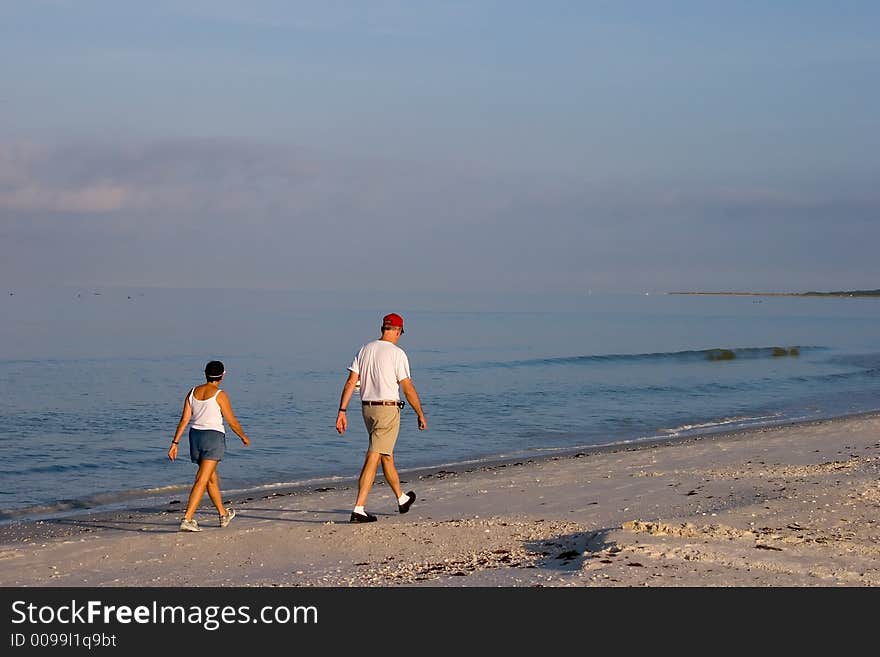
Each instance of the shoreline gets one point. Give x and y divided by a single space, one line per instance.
151 502
791 505
858 294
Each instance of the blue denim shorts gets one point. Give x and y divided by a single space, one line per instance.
206 444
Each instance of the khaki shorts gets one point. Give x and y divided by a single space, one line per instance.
383 425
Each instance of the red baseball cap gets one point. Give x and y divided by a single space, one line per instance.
393 319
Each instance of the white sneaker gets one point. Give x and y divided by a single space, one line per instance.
230 514
189 525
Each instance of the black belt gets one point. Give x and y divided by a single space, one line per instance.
380 403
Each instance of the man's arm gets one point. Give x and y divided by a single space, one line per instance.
409 390
347 391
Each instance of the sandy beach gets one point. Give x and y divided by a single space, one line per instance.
796 505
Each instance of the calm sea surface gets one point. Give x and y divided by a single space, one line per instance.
92 381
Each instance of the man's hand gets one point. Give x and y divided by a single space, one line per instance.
172 452
341 422
423 423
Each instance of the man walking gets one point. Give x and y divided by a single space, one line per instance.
382 369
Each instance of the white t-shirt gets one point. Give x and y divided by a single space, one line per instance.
381 366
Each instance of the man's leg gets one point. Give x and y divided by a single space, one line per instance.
368 476
391 475
393 479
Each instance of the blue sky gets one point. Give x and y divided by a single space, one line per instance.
440 146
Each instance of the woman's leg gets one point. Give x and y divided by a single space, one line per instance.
214 492
206 470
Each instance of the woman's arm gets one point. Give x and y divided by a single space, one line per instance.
185 417
229 416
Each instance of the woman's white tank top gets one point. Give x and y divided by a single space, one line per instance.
206 413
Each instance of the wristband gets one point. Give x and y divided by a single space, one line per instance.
175 443
343 410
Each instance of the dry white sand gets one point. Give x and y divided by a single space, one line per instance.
790 506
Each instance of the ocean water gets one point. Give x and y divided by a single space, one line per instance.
92 381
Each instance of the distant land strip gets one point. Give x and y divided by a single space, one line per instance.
839 293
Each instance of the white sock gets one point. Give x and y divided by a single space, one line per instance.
360 510
403 499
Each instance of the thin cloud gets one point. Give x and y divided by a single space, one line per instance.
97 198
230 177
184 176
87 211
378 17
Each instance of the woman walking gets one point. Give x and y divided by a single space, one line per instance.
207 406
